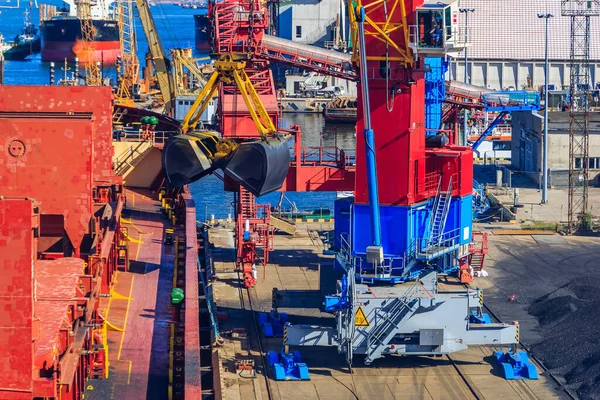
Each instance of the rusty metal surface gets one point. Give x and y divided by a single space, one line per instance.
70 99
17 252
56 281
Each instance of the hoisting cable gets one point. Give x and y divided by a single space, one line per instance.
388 105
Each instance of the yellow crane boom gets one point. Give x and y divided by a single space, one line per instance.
159 57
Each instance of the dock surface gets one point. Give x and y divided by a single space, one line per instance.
138 311
294 266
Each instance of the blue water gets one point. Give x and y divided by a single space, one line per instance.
175 25
176 29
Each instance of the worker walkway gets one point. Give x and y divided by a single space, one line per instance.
294 266
137 313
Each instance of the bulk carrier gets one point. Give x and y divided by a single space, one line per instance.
100 269
61 34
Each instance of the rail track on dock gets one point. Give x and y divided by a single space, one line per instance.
255 336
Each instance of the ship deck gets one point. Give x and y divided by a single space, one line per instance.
138 313
294 267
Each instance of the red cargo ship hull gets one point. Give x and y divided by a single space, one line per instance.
103 52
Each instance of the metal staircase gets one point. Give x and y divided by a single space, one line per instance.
441 206
387 322
477 251
125 162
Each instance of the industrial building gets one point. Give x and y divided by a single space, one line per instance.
506 44
527 144
310 22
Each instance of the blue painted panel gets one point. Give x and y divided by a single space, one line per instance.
395 229
460 218
341 223
466 219
285 23
421 219
435 92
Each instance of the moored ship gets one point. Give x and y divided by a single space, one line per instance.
61 34
25 43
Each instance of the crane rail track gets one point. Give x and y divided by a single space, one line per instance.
248 311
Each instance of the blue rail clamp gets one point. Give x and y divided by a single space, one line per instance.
516 365
287 366
272 323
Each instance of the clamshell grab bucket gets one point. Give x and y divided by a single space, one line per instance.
185 158
260 166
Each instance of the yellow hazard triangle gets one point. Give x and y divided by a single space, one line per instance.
361 318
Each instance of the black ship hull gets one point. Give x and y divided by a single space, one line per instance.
22 50
61 39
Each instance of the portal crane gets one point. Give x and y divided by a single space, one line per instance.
129 65
421 187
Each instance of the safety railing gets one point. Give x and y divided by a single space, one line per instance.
447 242
429 184
345 253
123 161
130 135
333 44
423 43
326 156
390 268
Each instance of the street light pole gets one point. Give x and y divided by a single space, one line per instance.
466 11
545 155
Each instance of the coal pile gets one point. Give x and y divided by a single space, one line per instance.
569 321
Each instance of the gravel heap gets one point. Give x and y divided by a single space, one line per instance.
569 321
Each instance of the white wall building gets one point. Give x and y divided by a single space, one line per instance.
309 21
507 44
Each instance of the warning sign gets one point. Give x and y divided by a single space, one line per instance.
361 318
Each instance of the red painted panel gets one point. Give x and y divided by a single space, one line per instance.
70 99
397 119
16 295
56 281
318 178
455 162
399 144
50 159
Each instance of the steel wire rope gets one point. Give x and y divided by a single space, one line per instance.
388 105
169 28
